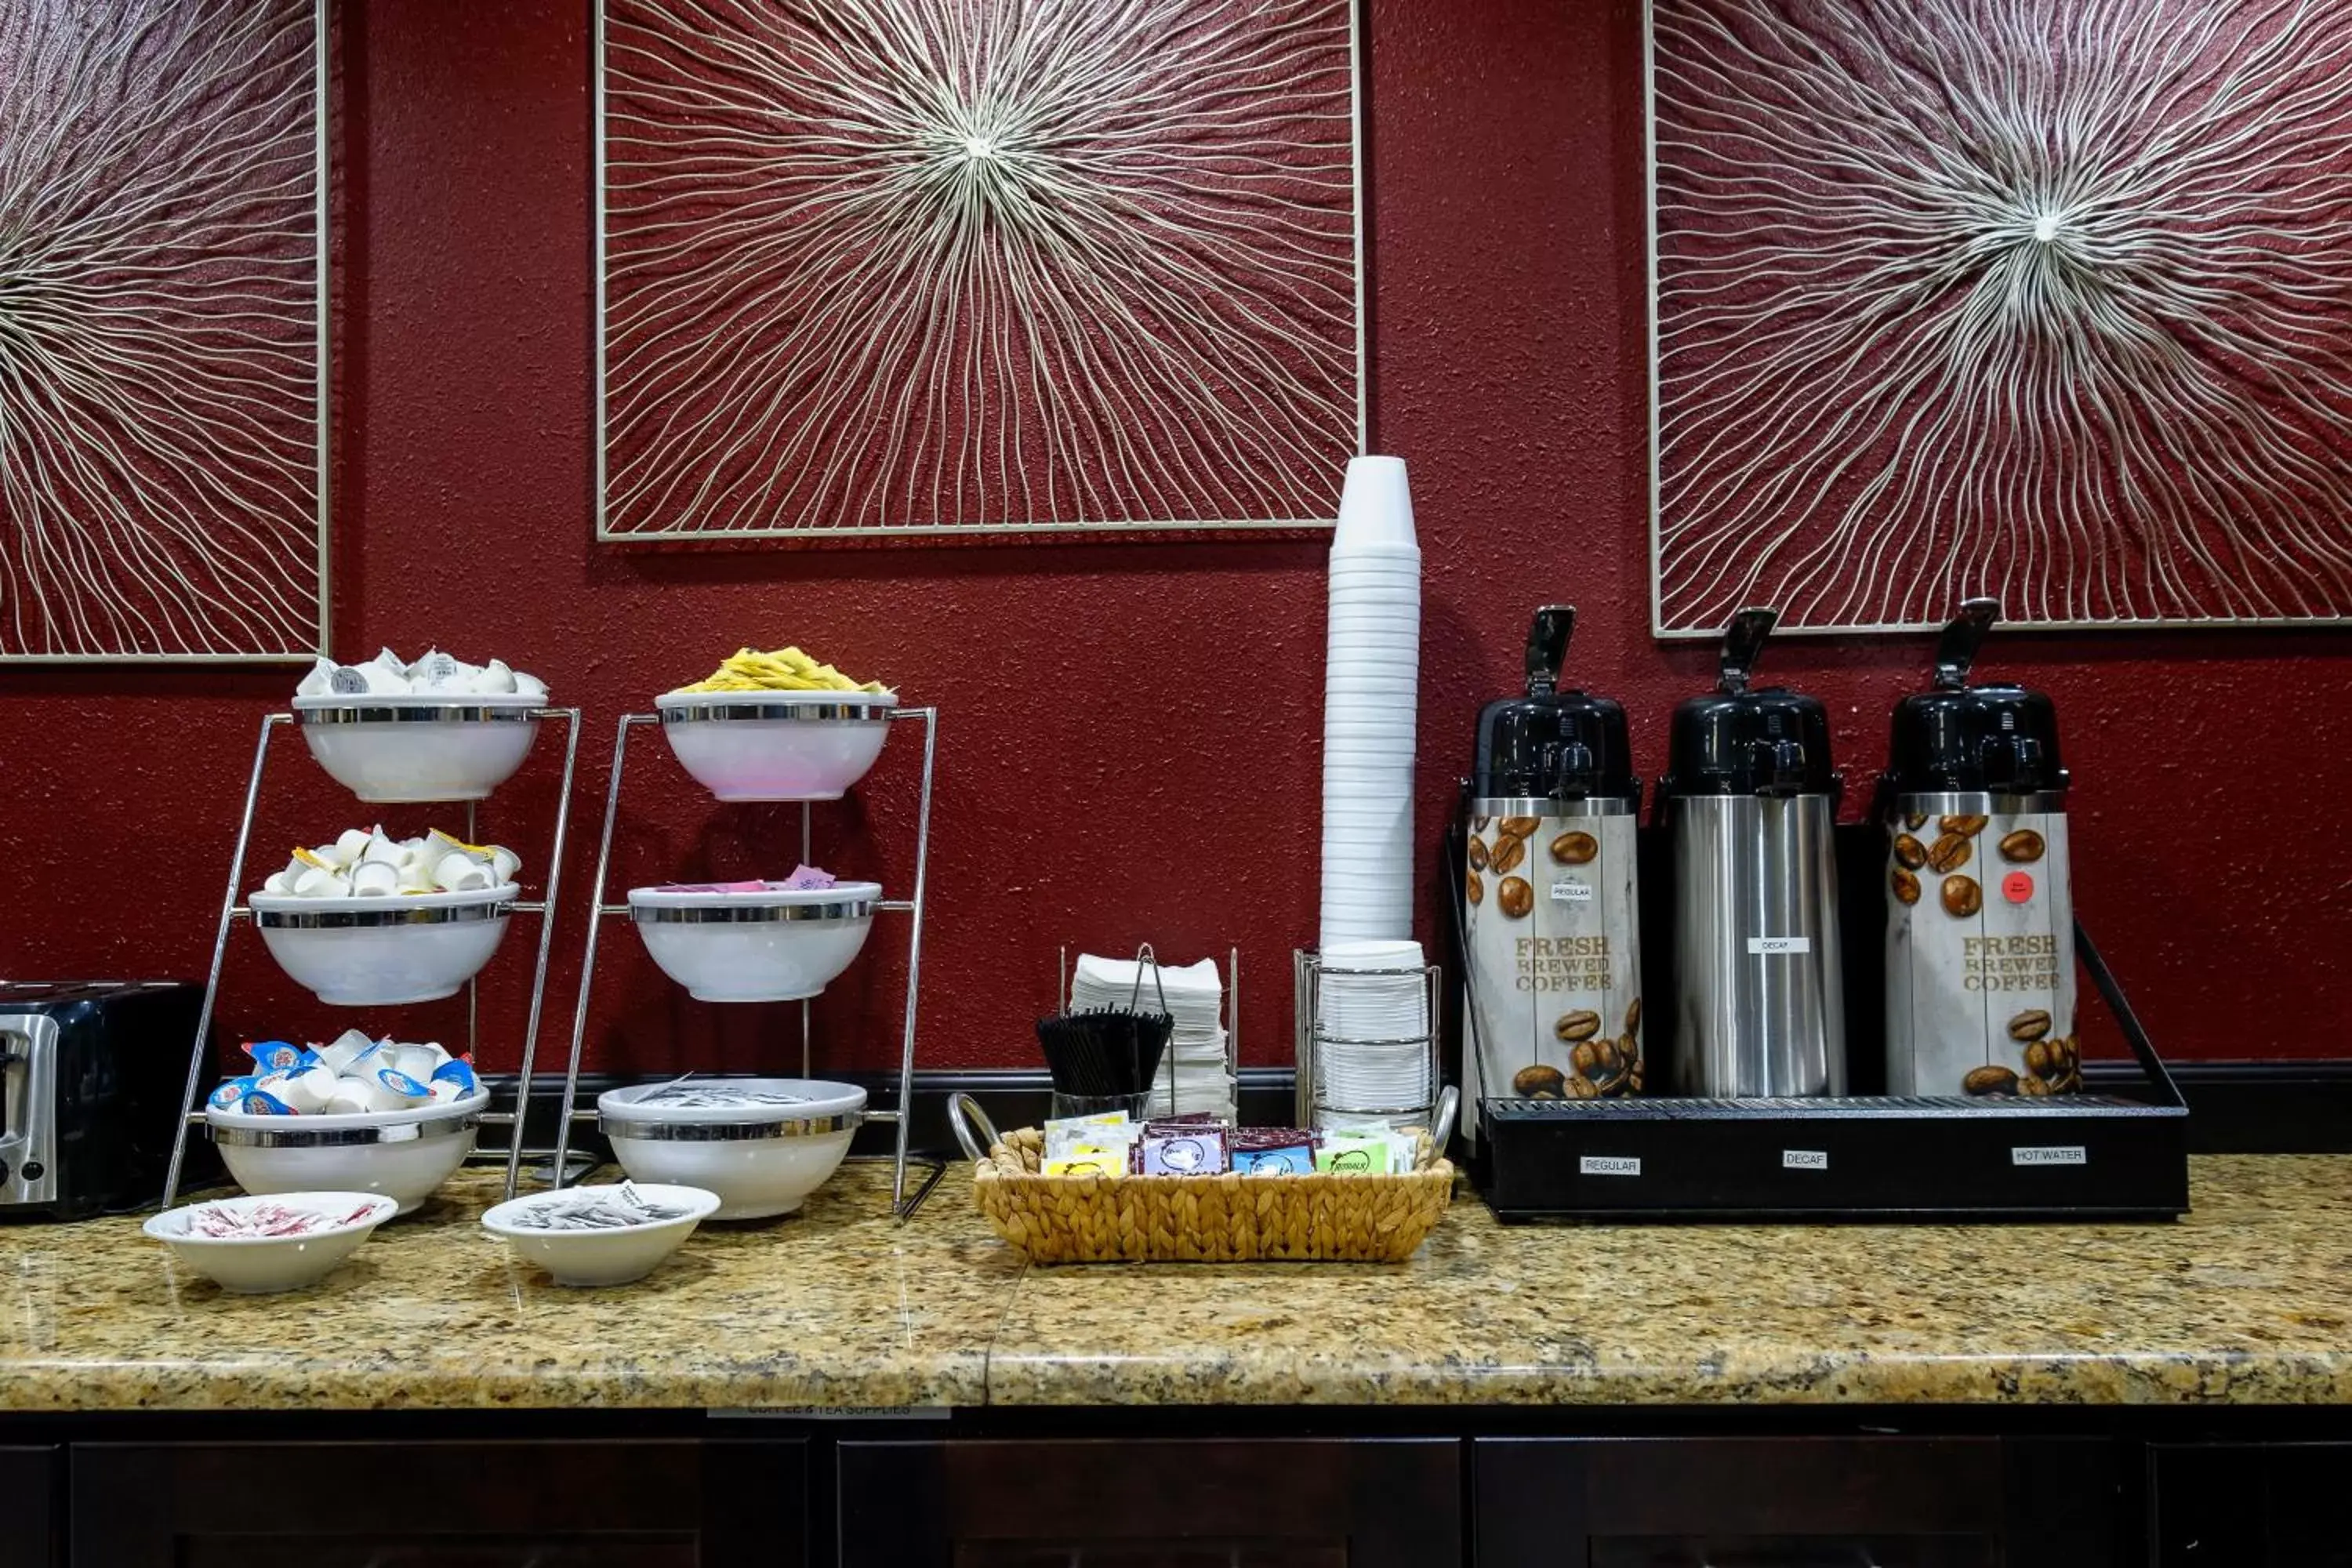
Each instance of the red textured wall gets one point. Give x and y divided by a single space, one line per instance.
1129 741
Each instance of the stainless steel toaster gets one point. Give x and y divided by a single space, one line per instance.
90 1077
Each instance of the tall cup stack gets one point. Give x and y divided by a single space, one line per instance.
1371 689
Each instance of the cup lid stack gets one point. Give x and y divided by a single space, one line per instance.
1370 704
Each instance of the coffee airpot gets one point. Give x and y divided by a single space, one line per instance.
1749 803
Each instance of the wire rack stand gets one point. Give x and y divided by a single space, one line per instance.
233 913
1314 1092
903 1203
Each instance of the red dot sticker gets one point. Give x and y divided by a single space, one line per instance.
2017 887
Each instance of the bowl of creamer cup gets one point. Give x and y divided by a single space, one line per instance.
404 1155
604 1235
362 952
420 748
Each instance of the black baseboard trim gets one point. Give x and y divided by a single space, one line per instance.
2235 1108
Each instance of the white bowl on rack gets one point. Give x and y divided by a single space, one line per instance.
619 1256
383 952
419 747
404 1155
264 1265
760 1159
767 946
776 746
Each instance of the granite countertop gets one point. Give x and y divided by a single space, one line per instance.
2243 1302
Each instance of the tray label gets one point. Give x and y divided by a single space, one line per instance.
2051 1154
1804 1159
1760 945
1609 1166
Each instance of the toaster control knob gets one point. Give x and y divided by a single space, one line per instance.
3 1170
33 1171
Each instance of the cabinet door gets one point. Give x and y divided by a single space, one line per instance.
1275 1503
2251 1505
29 1479
664 1504
1798 1502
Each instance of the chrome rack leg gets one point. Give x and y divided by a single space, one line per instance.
548 908
595 925
806 1003
220 952
899 1205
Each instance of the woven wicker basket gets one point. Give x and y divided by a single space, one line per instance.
1227 1218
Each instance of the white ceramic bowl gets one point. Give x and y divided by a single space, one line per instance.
619 1256
760 1160
260 1266
371 953
402 1155
754 947
412 748
776 746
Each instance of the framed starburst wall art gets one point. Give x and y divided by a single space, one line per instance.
948 267
163 351
2046 300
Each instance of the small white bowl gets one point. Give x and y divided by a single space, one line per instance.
616 1257
404 1155
441 746
768 946
762 1160
262 1265
776 746
373 953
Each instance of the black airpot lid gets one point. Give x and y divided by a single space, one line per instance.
1552 744
1997 739
1734 740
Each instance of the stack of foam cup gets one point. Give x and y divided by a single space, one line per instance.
1371 689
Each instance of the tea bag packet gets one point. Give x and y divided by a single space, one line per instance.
320 681
492 679
1295 1160
1367 1153
1084 1161
1106 1129
1197 1153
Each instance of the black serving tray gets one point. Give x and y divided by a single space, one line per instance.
1872 1158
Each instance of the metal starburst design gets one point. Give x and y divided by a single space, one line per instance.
938 266
162 340
2039 298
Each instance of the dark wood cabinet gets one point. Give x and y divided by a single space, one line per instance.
1210 1503
31 1531
651 1504
2250 1505
1794 1502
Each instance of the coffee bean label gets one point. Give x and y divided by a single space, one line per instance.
1551 923
1980 953
1804 1159
1608 1165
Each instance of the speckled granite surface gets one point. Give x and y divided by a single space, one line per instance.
834 1307
2246 1302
